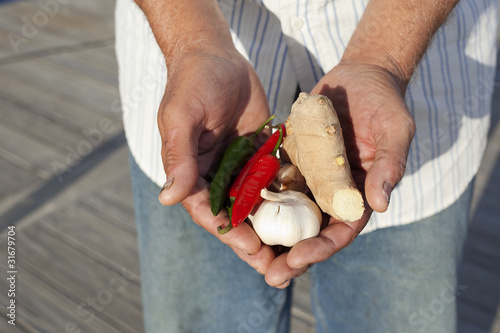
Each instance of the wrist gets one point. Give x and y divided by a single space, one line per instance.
388 50
394 35
181 27
181 49
382 62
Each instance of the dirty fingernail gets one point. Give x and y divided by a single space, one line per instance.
387 191
168 184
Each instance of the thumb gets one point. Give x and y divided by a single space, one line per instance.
389 166
179 154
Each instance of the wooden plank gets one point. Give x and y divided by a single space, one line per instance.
478 281
495 327
91 77
99 170
478 304
123 188
36 126
13 178
47 106
70 277
41 196
86 63
105 56
97 9
32 126
302 320
298 325
6 44
98 15
61 81
482 240
99 232
79 25
31 151
43 308
42 99
94 255
115 200
487 221
20 325
36 39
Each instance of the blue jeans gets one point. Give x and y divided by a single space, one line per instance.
399 279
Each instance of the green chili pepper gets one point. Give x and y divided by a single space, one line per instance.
235 156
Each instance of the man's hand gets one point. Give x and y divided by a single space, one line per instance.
377 131
367 90
209 100
212 95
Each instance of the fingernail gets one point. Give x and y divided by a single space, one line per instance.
168 184
387 189
305 266
284 285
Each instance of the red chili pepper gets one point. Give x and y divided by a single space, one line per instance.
260 175
266 149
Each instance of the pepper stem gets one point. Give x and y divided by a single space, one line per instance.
278 143
262 126
222 231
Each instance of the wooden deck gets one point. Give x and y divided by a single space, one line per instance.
64 184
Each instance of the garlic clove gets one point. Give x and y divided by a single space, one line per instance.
290 178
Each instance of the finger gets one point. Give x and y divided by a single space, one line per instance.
336 236
279 273
389 164
180 136
197 205
260 261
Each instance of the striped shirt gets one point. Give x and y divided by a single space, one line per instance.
294 43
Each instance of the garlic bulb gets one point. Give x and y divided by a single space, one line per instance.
286 218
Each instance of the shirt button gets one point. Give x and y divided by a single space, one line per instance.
297 23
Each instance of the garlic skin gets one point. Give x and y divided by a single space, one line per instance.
289 178
286 218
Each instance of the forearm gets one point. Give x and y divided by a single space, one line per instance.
184 26
394 34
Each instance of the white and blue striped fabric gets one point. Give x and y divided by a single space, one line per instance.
294 43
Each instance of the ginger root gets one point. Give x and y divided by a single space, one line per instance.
315 144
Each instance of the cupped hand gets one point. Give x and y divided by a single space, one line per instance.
210 98
378 130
